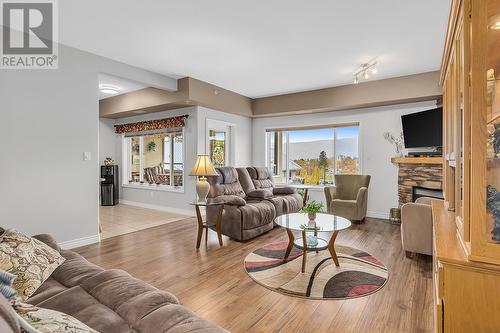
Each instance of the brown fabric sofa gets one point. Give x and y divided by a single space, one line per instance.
349 197
111 301
254 209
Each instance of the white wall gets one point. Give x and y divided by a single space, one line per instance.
48 119
375 151
107 140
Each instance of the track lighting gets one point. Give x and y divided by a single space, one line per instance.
365 69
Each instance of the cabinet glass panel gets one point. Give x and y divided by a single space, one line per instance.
492 77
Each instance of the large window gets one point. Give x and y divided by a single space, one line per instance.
312 156
155 159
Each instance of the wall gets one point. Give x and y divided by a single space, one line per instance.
47 187
107 143
194 143
375 151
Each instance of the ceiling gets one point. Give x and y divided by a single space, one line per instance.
261 48
120 84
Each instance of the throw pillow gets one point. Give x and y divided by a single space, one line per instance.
33 319
30 260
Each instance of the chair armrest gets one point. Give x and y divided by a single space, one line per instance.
416 227
362 194
330 194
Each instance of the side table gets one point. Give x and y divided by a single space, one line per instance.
205 224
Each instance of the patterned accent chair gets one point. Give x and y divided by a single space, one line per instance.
155 175
349 197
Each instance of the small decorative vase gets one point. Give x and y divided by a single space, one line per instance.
312 241
311 216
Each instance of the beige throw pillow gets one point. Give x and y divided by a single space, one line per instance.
30 260
33 319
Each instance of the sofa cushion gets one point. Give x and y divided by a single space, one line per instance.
257 213
29 259
226 183
245 180
78 303
260 194
261 177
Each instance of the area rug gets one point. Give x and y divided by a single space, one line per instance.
360 274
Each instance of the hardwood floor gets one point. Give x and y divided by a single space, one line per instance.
123 219
213 283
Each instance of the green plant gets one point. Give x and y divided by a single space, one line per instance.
152 146
312 207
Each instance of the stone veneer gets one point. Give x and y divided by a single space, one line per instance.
423 175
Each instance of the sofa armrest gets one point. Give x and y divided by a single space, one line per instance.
416 228
330 194
231 200
260 194
283 190
49 240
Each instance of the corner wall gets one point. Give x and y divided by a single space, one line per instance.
375 151
50 118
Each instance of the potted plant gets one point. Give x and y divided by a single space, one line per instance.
312 209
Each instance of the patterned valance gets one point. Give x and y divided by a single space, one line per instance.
151 125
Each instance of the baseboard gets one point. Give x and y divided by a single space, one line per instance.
158 207
71 244
377 215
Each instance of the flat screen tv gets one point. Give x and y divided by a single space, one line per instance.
423 129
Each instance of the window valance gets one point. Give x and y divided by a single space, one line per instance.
152 125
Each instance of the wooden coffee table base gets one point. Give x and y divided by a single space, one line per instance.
331 247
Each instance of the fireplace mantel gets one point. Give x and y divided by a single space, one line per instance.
417 160
425 172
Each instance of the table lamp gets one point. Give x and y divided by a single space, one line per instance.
202 168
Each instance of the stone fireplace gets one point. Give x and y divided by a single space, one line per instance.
421 173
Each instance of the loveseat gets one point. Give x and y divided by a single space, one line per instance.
251 199
109 301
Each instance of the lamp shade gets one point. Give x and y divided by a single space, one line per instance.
203 167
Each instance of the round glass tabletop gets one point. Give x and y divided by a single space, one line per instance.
324 222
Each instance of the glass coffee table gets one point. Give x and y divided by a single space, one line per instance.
310 240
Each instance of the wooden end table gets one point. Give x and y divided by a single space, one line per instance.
205 224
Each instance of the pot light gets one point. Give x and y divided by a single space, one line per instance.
374 70
109 89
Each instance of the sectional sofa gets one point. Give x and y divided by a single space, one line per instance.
251 199
109 301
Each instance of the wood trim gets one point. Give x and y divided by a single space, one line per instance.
450 37
299 128
417 160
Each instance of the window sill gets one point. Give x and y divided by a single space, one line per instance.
155 187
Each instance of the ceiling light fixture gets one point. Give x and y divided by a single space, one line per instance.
109 89
495 26
365 69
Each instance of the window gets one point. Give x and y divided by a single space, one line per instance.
217 142
312 155
155 159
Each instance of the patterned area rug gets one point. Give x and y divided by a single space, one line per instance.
359 274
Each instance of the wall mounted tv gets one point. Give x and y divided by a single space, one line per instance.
423 129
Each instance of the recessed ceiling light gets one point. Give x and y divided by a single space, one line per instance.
109 89
374 70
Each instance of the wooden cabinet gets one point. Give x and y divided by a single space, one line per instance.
467 227
471 102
